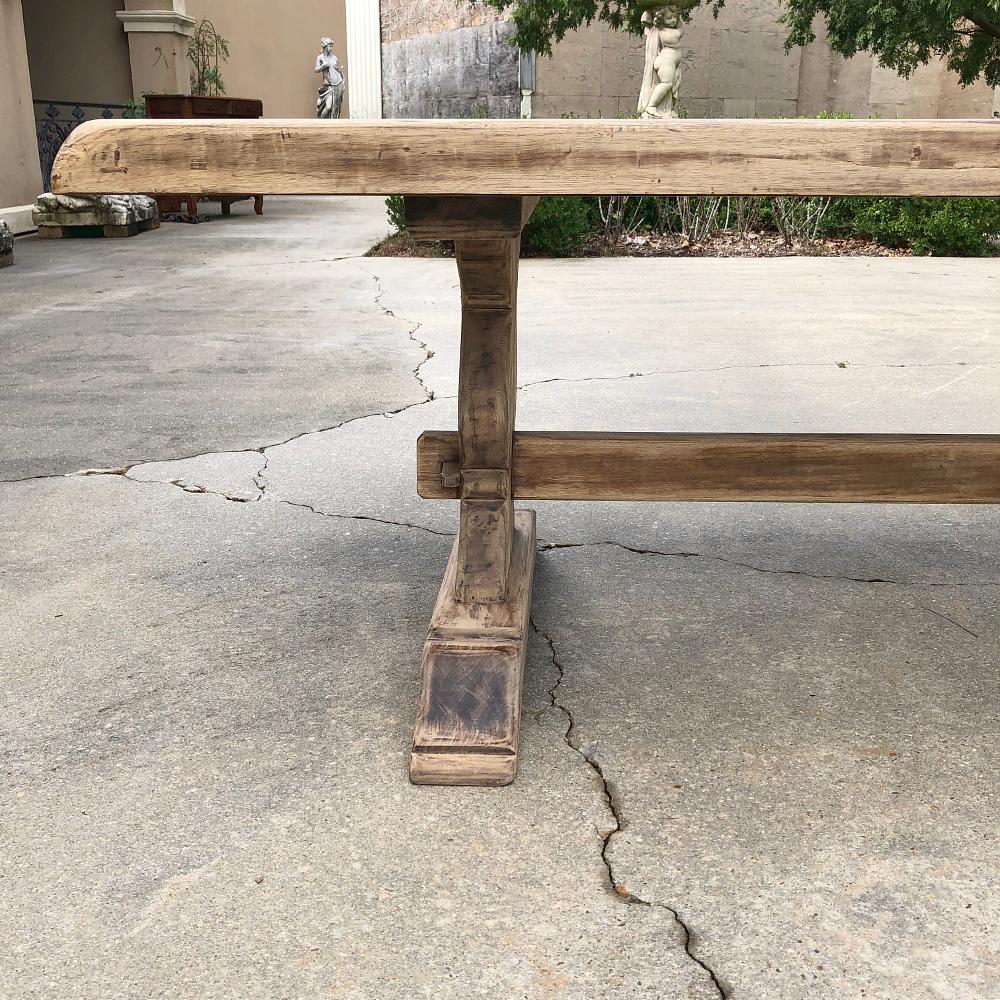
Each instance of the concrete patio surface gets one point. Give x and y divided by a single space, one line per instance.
760 742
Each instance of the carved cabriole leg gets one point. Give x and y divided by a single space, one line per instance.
469 711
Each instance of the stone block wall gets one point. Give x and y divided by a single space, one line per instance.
736 67
408 18
442 59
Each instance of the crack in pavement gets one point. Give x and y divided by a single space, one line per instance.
543 547
430 396
256 449
958 625
259 477
194 488
428 353
727 368
366 517
556 546
612 802
190 488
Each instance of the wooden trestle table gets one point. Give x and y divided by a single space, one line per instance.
476 182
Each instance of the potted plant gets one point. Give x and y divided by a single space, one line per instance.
206 48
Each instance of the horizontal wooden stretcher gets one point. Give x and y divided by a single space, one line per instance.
477 182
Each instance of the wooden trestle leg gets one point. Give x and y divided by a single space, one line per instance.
469 711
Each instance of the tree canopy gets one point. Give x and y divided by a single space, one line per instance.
901 34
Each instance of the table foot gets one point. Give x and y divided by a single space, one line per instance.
469 711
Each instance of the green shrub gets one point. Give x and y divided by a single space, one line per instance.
135 109
831 116
558 225
394 210
963 227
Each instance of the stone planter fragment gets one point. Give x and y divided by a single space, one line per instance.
113 215
6 245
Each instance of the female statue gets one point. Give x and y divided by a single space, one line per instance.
661 77
331 93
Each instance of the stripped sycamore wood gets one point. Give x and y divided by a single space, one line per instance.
535 157
482 218
469 711
869 468
468 716
487 388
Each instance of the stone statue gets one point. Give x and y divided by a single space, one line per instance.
331 93
661 76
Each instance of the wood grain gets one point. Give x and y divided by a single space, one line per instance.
483 218
470 704
835 468
487 389
535 157
468 716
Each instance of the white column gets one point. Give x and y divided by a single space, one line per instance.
158 32
20 174
364 58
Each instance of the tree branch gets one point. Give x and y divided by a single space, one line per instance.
985 26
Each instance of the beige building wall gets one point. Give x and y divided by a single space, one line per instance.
20 175
157 42
273 49
86 59
737 67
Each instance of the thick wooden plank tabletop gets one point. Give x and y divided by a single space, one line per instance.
540 156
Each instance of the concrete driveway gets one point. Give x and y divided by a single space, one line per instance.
760 742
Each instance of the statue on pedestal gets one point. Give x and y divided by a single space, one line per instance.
661 76
331 93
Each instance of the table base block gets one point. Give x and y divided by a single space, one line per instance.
470 704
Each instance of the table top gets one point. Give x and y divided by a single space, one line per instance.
539 156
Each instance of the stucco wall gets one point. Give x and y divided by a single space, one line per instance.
737 67
273 49
86 59
20 175
446 60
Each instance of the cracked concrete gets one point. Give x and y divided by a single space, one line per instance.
344 471
206 714
758 740
803 768
234 474
586 318
589 754
412 333
181 350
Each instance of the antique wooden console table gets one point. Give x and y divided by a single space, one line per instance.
476 182
183 106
